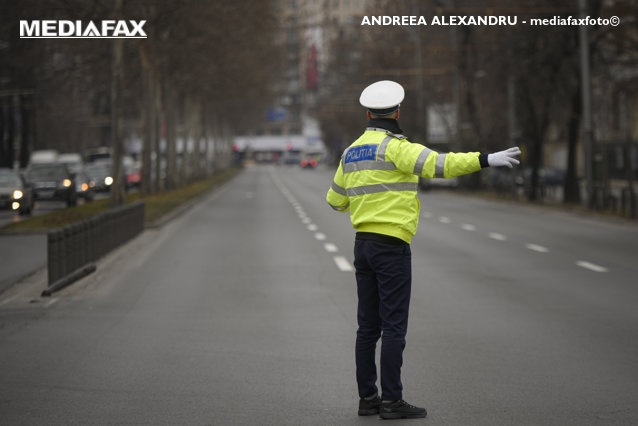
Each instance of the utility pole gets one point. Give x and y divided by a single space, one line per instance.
586 103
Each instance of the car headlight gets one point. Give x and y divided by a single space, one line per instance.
66 183
108 180
85 186
17 194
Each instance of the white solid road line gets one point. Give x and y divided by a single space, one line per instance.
591 266
497 236
330 248
536 247
343 264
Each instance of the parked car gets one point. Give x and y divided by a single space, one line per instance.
546 176
52 182
99 175
15 193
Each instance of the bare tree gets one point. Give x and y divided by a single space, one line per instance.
215 53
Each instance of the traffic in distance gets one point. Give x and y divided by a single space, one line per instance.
54 180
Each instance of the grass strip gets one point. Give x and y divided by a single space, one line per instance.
156 205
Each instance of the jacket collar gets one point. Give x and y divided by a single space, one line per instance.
388 124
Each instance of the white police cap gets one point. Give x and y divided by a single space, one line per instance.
382 97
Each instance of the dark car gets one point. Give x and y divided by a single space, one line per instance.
15 192
52 181
308 163
99 176
83 185
289 159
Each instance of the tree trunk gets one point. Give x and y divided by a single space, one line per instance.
9 153
147 137
171 123
26 109
205 138
155 105
571 188
117 189
186 135
3 145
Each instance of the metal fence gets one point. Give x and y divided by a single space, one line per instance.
72 250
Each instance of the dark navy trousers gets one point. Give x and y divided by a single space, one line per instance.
384 281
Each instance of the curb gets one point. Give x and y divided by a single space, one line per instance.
69 279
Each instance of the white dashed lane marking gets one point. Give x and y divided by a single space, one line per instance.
496 236
537 248
530 246
343 264
330 248
591 266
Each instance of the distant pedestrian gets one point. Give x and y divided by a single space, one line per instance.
377 182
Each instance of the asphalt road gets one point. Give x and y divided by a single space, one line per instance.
243 312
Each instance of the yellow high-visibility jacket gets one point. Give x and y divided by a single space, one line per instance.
377 181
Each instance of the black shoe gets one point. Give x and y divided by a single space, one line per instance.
401 410
369 407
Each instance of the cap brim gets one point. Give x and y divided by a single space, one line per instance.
384 111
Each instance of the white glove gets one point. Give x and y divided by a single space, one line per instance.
504 158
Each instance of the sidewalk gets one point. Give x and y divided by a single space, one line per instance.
22 255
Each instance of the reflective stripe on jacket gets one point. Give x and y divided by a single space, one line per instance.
377 181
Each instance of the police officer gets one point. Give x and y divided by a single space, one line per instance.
376 181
